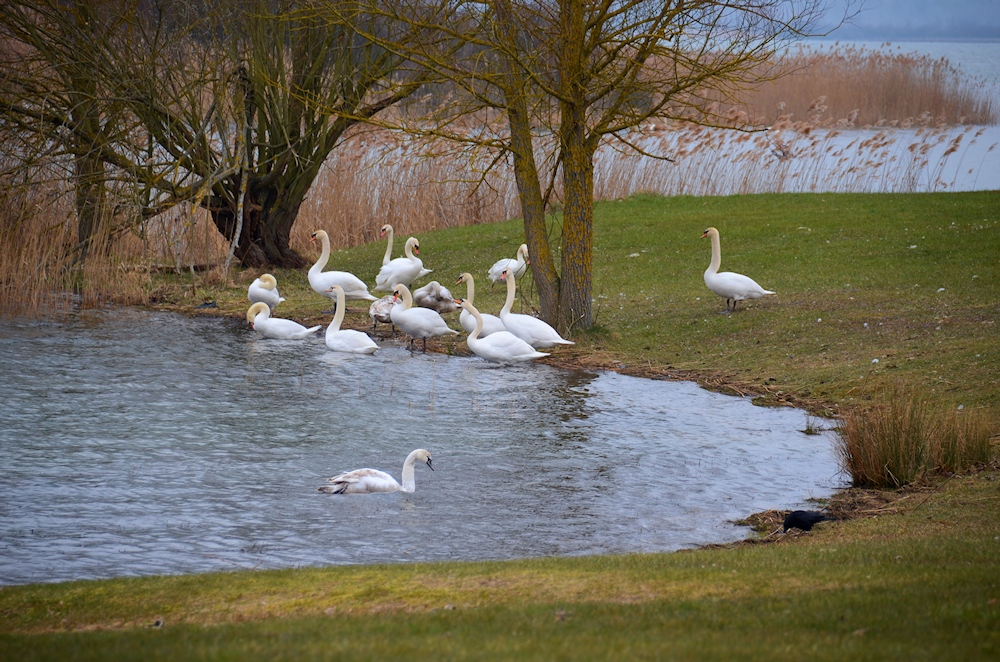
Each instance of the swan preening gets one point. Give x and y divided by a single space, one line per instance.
259 316
500 346
435 296
403 270
321 281
728 285
381 309
531 330
265 290
346 340
491 323
516 266
369 481
416 322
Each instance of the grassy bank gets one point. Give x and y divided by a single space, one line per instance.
872 290
921 581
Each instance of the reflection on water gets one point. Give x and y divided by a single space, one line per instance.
147 443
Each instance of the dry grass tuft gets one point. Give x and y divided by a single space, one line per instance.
902 437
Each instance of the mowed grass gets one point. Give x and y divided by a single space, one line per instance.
920 582
872 290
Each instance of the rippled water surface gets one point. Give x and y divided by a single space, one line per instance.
141 443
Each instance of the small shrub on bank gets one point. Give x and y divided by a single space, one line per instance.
903 436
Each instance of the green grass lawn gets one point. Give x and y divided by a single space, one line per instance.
909 280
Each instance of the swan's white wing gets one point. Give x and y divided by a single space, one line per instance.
361 481
349 340
732 285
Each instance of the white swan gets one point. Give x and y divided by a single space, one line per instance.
435 296
346 340
416 322
387 233
728 285
380 310
369 481
321 281
516 265
265 290
259 316
403 270
491 323
499 347
530 329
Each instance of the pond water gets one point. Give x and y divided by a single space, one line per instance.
137 443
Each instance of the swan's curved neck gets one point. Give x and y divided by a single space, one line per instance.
409 482
408 250
324 257
407 297
716 253
510 294
338 317
388 246
479 322
470 289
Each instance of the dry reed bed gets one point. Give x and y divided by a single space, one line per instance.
817 141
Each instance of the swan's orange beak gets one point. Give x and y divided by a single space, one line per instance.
395 297
704 234
458 301
503 276
312 237
416 250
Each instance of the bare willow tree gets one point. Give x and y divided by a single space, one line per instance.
573 75
232 105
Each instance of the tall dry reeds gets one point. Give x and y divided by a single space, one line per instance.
817 142
903 437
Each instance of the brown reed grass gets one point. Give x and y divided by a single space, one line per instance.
379 177
902 437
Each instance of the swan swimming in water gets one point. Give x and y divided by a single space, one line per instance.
417 322
491 323
346 340
259 316
516 266
499 347
370 481
728 285
321 281
265 290
537 333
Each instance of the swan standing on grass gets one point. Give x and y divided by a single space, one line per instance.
491 323
369 481
403 270
416 322
435 296
265 290
728 285
499 347
530 329
259 316
516 266
346 340
321 281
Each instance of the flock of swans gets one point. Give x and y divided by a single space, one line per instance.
507 338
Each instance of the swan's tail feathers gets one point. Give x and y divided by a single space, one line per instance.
314 329
769 292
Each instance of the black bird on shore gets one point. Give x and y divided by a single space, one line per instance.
804 519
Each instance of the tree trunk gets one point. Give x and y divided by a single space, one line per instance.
89 179
266 229
575 303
